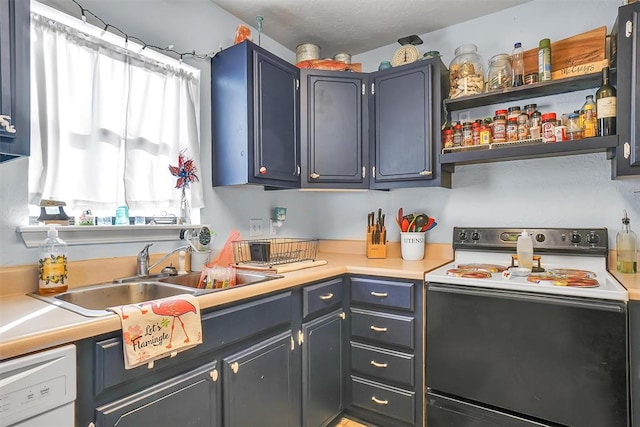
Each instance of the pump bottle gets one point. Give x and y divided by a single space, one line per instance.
52 265
524 249
626 248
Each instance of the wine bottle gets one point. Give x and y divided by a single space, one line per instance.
606 106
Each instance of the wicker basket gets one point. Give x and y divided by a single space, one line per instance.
271 252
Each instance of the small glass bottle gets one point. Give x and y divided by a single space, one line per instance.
457 135
512 129
626 248
467 134
447 139
588 119
523 126
475 131
574 131
499 129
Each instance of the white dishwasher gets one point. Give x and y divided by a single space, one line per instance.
39 390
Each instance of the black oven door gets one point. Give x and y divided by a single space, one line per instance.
547 358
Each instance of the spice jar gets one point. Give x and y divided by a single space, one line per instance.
447 138
523 126
457 135
485 134
467 137
512 129
499 75
549 127
574 131
466 74
475 132
530 108
499 129
513 112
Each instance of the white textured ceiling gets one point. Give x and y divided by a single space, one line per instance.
356 26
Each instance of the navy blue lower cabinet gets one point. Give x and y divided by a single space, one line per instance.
189 399
322 369
385 383
259 385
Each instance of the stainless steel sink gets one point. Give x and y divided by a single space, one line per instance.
243 277
93 301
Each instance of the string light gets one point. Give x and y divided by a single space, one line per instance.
169 49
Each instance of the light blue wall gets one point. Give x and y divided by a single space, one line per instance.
558 192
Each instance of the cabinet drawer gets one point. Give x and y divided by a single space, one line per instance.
384 293
390 401
325 295
219 328
383 327
383 364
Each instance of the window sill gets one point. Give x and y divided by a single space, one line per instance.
101 234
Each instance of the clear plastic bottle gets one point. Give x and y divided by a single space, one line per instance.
517 65
52 264
524 249
626 248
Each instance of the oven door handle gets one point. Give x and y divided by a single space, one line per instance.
613 306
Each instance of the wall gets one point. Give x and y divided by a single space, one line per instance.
575 191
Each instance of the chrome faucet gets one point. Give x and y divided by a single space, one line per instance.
143 259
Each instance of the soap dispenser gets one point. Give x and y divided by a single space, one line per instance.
524 249
626 248
52 264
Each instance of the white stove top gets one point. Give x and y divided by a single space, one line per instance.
608 288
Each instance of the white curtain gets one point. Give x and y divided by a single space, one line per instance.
107 123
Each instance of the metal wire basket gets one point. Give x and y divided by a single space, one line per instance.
274 251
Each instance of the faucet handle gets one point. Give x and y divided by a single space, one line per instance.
144 253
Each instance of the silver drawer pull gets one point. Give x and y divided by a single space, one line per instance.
379 401
379 294
378 329
378 364
326 297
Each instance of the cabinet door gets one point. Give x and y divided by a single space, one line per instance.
258 385
403 123
14 79
275 118
322 369
627 160
334 135
191 399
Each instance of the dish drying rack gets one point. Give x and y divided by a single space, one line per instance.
275 251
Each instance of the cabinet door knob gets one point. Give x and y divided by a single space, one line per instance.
426 173
234 367
5 122
378 329
314 176
262 170
214 375
379 294
326 297
379 401
378 364
300 337
342 315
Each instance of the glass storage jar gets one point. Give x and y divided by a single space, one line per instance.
466 74
499 75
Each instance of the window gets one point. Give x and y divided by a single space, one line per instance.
108 118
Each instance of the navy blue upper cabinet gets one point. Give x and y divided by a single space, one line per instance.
14 79
334 134
405 125
627 159
255 118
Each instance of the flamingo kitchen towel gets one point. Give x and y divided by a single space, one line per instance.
159 328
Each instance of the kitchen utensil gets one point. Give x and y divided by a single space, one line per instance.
405 225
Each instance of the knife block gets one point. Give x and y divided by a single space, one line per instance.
375 250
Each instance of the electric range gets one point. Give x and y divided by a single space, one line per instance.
556 252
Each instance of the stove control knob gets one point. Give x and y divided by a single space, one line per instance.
593 238
540 238
575 238
462 235
475 236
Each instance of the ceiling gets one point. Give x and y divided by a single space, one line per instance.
355 26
